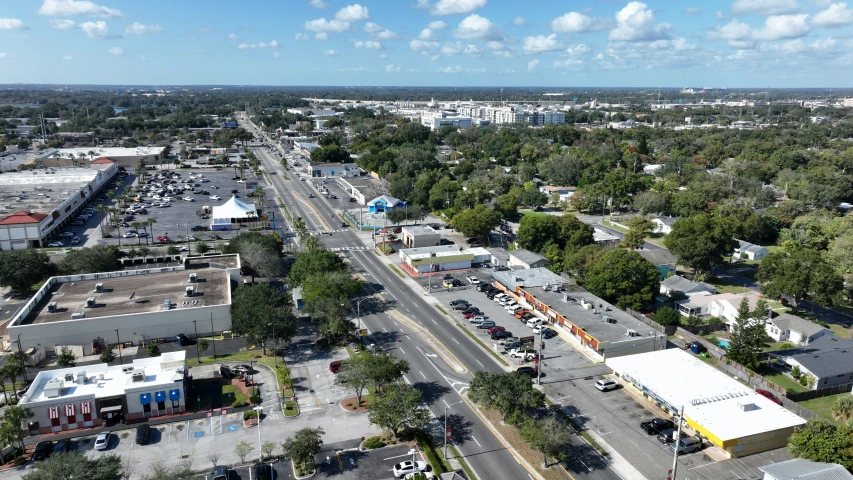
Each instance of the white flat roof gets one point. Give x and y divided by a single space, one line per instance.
160 372
152 150
710 397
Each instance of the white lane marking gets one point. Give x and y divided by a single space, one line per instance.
408 337
406 380
475 439
422 374
457 341
383 328
404 352
590 470
481 364
398 456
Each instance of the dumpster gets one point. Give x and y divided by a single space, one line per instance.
697 348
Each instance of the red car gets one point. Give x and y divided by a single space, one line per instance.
469 315
496 329
163 239
335 366
769 396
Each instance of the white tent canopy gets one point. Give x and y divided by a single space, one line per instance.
232 210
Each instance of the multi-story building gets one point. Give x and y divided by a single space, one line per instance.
435 119
505 115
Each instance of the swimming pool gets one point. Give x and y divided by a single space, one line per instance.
723 343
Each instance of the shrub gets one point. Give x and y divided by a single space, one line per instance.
373 442
786 346
255 399
795 372
240 402
804 380
250 414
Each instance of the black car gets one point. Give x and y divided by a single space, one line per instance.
199 228
667 436
42 451
511 345
461 306
548 333
656 425
474 310
454 303
528 371
62 446
500 335
143 433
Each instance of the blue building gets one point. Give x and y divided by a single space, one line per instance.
228 125
384 203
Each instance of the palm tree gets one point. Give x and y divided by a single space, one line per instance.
842 409
150 221
91 155
13 370
101 211
117 225
3 378
137 226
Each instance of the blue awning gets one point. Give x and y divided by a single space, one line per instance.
175 394
145 398
159 396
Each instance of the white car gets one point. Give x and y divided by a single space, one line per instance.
534 322
55 244
189 199
102 441
130 235
498 298
606 384
473 280
404 468
511 306
164 204
215 197
537 329
426 475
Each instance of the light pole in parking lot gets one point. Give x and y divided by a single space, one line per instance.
429 277
260 410
672 473
446 431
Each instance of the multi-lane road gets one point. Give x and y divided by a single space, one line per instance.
398 332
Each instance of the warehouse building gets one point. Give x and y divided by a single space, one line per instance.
420 236
724 412
127 158
129 307
101 395
599 328
36 204
439 258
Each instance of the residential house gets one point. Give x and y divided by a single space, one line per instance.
828 359
527 259
677 284
384 203
787 327
664 224
803 469
721 305
661 258
564 193
604 239
749 251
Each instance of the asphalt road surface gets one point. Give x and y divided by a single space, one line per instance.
441 384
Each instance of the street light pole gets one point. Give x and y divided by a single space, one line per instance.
260 410
446 408
196 342
118 342
358 310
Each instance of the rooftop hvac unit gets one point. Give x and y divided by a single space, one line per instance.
127 369
609 319
81 377
631 333
99 288
190 291
138 377
77 315
53 388
69 377
90 302
746 407
51 307
193 278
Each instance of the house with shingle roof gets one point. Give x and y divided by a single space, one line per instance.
791 328
678 284
749 251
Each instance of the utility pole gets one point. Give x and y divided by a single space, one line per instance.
672 475
539 369
446 431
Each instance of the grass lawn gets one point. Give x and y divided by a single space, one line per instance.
780 379
290 409
531 213
231 393
724 286
776 346
246 357
822 406
840 331
398 272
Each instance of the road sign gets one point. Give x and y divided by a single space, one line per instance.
526 340
449 432
198 434
363 332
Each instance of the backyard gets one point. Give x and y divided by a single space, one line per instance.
822 406
780 378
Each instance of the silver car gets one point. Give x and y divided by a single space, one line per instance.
102 441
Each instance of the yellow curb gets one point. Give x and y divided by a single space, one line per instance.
442 350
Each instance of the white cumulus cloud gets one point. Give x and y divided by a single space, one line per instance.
232 36
323 36
69 8
531 65
352 13
437 25
115 51
835 15
330 53
12 24
780 27
541 43
67 57
765 7
424 46
519 21
636 22
321 25
97 29
428 34
392 68
450 69
246 46
317 3
369 44
475 27
574 22
451 7
300 37
137 28
62 24
452 48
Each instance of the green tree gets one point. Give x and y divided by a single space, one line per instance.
12 426
66 358
842 408
507 205
508 393
624 278
107 355
579 261
742 348
243 449
534 233
21 269
383 368
201 248
259 311
820 441
799 274
161 471
203 344
700 242
304 444
330 154
399 408
638 226
476 222
267 448
152 350
76 465
314 262
549 436
260 254
667 316
97 259
355 375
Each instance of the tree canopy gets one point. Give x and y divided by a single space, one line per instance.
21 269
476 222
97 259
700 242
623 278
259 312
77 465
799 274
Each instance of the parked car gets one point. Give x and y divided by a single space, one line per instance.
477 319
766 394
102 441
527 371
496 328
61 446
486 324
75 240
42 451
215 197
473 280
500 335
66 235
534 322
242 369
199 228
686 445
656 425
143 433
548 333
606 384
454 303
163 239
55 244
521 352
404 468
335 366
666 436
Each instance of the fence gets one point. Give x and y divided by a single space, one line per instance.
706 329
820 392
714 350
648 321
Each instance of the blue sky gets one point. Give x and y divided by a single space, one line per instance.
742 43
